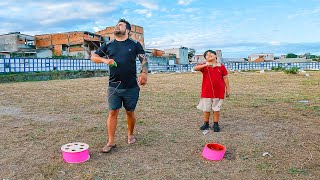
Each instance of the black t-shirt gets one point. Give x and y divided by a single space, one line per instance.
125 54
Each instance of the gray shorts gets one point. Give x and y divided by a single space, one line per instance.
126 97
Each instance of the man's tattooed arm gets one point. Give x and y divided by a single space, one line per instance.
144 63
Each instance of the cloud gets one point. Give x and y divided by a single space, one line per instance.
305 13
47 17
275 43
149 4
184 2
191 10
126 11
145 12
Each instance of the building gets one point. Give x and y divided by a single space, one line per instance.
233 60
79 44
219 55
293 60
181 54
136 33
197 59
261 57
15 44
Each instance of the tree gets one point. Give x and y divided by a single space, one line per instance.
313 56
191 53
291 55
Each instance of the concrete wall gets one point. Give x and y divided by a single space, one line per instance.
9 43
46 53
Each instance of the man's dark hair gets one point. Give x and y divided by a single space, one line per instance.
207 51
128 26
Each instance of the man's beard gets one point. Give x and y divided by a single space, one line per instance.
119 32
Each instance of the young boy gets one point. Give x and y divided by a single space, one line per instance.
215 84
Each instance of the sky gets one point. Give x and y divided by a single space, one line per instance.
238 28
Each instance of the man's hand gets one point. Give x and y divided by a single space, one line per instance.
109 61
143 78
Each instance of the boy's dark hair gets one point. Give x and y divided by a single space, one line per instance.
207 51
128 26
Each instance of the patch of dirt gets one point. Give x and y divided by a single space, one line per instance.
263 115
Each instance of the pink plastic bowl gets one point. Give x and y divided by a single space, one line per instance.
76 152
214 152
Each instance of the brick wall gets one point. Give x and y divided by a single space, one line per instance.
43 41
60 38
75 38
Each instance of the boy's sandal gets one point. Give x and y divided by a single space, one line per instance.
132 140
108 148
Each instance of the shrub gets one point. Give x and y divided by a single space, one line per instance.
279 68
292 70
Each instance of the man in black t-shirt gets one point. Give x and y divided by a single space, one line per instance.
120 54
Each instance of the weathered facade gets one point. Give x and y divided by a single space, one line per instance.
261 57
197 59
181 54
136 33
77 43
16 44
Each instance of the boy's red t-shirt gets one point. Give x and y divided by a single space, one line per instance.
213 85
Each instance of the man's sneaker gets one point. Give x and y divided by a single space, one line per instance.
216 127
205 126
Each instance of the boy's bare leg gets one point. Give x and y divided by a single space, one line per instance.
216 115
206 116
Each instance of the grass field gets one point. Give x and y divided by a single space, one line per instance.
262 115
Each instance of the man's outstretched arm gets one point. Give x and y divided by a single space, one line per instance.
144 69
144 63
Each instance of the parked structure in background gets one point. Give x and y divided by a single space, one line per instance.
136 33
261 57
181 54
77 43
15 44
